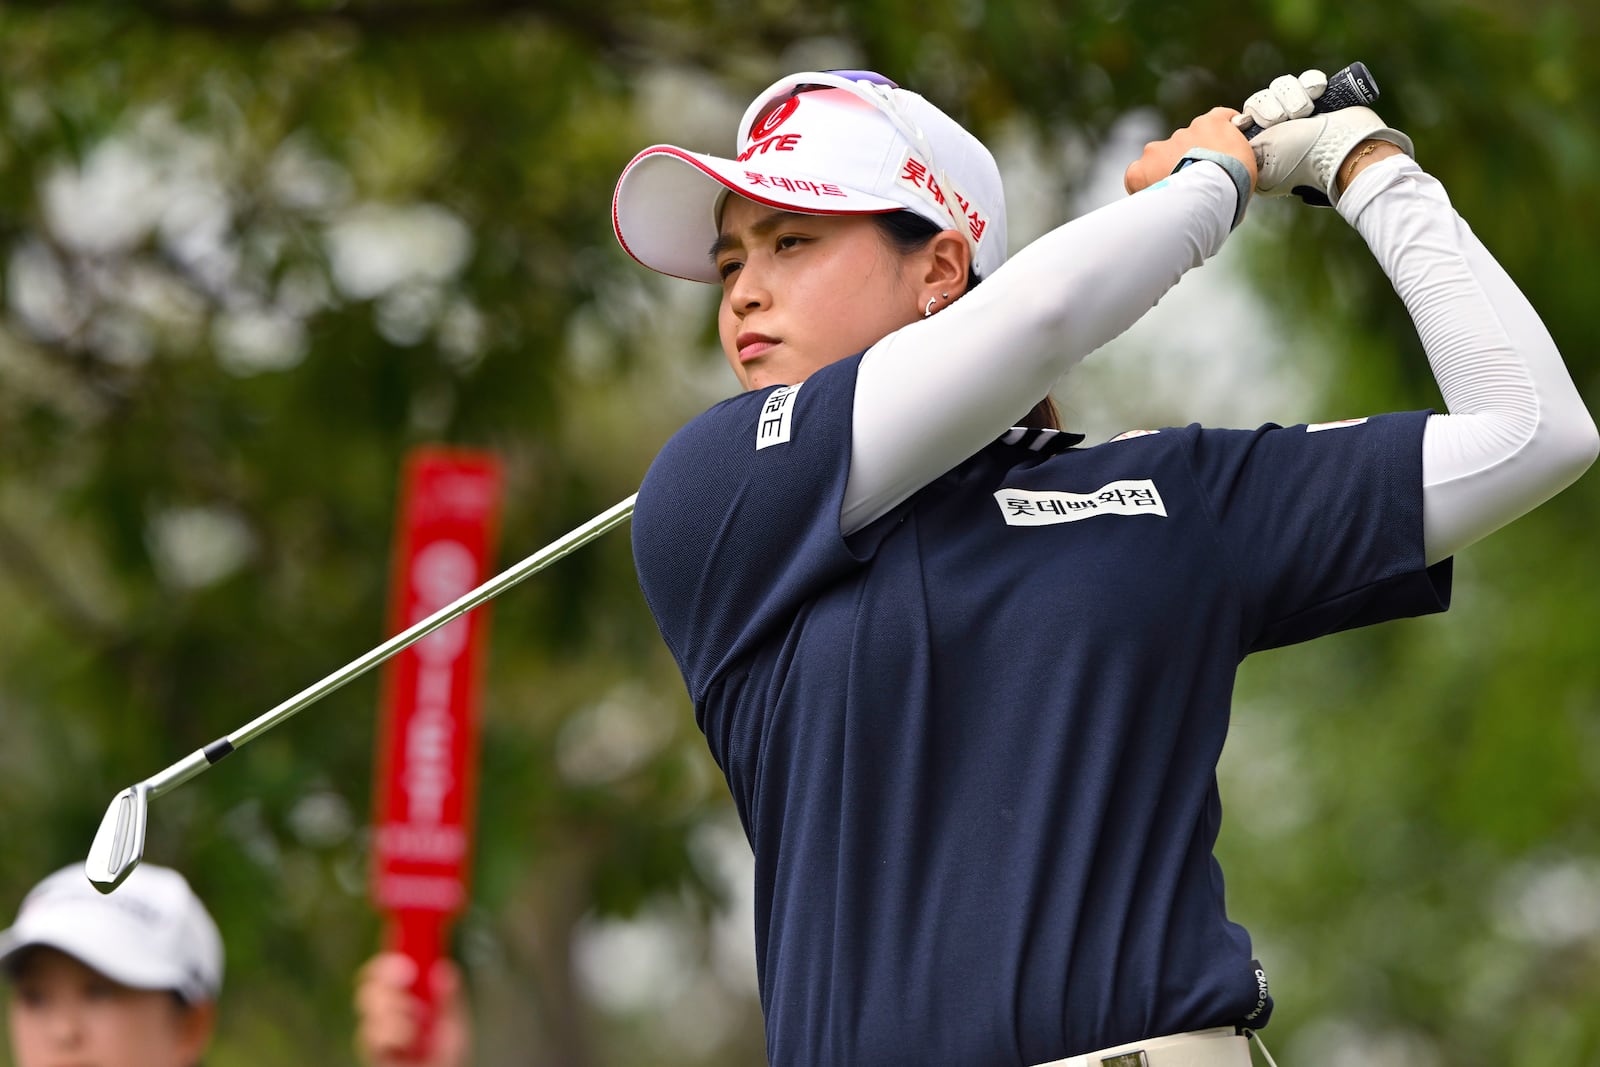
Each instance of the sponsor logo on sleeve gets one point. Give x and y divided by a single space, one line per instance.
1339 425
1029 507
773 426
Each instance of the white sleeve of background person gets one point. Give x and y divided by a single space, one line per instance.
935 392
1517 431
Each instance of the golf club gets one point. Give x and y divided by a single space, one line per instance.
119 843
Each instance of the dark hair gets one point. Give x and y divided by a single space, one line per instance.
907 232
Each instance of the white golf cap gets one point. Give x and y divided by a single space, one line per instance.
151 933
820 143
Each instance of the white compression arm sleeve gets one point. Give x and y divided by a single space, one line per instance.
1517 432
933 393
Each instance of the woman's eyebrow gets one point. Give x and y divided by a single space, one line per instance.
760 228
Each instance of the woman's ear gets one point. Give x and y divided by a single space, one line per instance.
195 1025
949 259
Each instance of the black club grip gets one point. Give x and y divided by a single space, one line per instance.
1352 86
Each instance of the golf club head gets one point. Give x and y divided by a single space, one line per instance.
119 843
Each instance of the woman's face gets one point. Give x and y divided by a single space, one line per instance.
64 1014
802 291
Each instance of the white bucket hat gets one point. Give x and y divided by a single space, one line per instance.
820 143
151 933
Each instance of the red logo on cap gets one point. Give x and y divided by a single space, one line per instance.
771 119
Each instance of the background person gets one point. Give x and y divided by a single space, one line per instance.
131 979
969 683
128 979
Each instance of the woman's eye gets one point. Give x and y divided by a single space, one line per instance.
725 270
790 241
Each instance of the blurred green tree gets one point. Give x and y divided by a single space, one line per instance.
254 251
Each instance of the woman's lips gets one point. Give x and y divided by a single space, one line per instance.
753 345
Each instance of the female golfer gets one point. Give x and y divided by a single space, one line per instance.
968 681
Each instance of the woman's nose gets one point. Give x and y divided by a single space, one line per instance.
749 292
65 1024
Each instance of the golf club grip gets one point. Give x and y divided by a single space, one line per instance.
1349 87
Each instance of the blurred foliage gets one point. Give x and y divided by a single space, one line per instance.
254 251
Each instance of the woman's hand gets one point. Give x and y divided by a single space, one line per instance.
388 1015
1213 130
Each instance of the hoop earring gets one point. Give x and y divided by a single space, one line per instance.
929 309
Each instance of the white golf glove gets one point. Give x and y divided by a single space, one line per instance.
1288 97
1299 153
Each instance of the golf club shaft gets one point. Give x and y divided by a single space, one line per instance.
179 772
200 759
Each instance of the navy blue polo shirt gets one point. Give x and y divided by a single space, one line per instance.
974 744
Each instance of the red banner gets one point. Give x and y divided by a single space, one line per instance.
426 781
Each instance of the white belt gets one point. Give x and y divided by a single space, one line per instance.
1221 1046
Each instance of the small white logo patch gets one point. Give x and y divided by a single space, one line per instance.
1315 426
1027 507
773 429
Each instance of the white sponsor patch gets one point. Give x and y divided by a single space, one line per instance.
773 429
1341 424
923 181
1028 507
